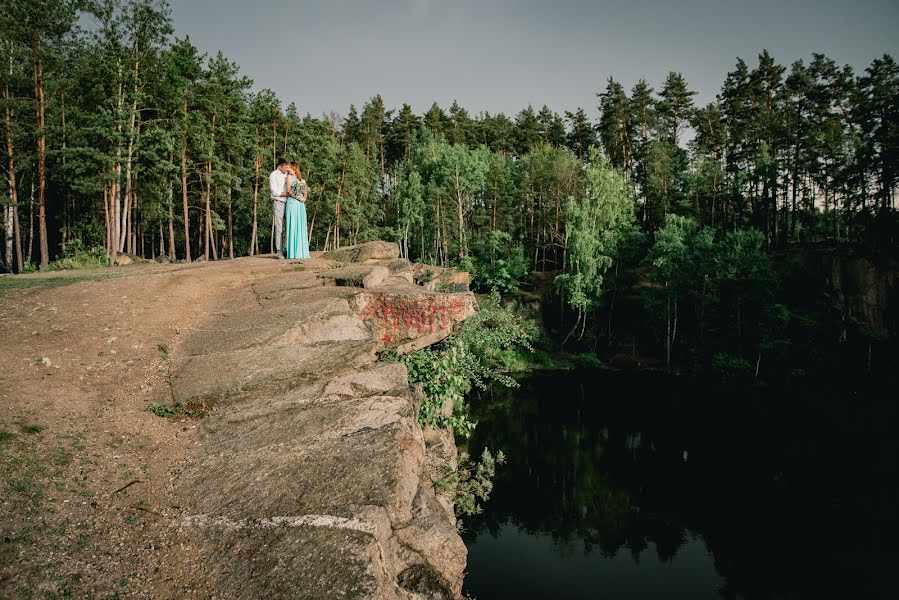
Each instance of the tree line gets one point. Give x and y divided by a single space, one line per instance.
123 137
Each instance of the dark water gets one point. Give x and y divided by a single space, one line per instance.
648 486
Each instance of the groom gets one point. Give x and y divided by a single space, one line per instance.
277 183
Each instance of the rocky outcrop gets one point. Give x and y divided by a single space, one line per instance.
863 291
365 253
313 478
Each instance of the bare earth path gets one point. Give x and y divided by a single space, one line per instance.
302 472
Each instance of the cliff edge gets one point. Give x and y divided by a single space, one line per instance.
299 470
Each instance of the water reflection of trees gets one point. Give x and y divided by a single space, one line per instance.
558 484
783 493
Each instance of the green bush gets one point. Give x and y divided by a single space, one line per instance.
496 263
468 357
731 367
78 256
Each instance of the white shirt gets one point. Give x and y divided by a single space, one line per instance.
277 183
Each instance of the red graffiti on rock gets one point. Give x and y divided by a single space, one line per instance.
407 317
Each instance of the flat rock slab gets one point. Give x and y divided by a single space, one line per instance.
361 253
312 480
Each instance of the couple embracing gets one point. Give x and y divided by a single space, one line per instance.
289 192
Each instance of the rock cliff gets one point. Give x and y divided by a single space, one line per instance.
311 479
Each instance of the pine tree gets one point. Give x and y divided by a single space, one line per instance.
675 107
552 128
461 129
527 131
581 134
41 25
614 126
436 120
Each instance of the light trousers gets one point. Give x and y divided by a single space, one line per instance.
278 216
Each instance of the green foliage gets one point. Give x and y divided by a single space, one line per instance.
161 410
443 385
731 367
191 409
467 358
496 263
472 483
595 226
77 256
721 285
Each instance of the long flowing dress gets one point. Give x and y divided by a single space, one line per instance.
297 231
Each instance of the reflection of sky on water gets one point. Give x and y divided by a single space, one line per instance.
526 566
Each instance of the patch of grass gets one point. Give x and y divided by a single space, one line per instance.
81 543
62 458
6 436
76 444
164 351
60 529
31 429
23 473
161 410
193 408
27 488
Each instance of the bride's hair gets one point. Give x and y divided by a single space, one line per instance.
296 170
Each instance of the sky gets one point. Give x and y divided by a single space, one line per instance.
502 55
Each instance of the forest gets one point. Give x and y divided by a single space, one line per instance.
121 138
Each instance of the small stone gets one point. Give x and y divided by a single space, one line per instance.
46 361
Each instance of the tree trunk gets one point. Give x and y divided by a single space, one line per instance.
68 215
107 220
254 244
13 191
41 156
184 195
9 256
30 222
207 238
127 241
460 211
171 209
230 226
135 220
115 198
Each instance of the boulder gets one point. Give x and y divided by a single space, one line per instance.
121 260
363 253
440 279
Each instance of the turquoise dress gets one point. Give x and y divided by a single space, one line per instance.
297 230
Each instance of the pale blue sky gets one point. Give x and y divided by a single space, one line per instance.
501 55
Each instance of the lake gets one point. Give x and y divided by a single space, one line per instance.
644 485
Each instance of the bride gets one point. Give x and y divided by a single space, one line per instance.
297 232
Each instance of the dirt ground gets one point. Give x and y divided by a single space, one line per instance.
86 468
